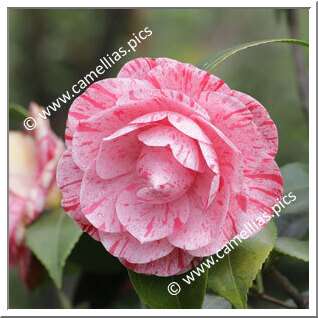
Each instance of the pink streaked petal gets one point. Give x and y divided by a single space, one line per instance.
262 120
126 246
185 78
69 179
206 187
98 199
170 100
183 148
98 97
210 156
174 263
202 225
226 233
165 179
118 156
235 120
188 127
139 68
150 222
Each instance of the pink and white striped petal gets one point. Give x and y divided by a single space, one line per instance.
174 263
185 78
165 178
139 68
149 222
184 149
126 246
98 97
69 179
262 120
202 225
118 156
98 199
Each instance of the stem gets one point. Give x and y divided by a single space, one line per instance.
259 281
273 300
63 299
302 76
289 288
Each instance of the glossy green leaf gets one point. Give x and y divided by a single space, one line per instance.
51 238
293 247
17 114
213 61
153 290
233 275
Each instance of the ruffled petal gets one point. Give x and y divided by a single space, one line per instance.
98 199
165 178
126 246
202 225
69 179
262 120
150 222
185 78
184 149
174 263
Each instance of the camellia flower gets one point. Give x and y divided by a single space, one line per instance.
32 164
165 164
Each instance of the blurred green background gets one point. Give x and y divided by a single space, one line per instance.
50 50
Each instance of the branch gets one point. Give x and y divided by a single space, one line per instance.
289 288
272 300
302 76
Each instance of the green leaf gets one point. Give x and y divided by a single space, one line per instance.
17 114
293 247
212 62
232 276
91 256
51 238
153 290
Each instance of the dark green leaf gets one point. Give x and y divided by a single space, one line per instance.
51 238
153 290
293 247
17 114
212 62
232 276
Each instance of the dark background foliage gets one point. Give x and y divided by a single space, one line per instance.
50 50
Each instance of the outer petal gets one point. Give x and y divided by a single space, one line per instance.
150 222
98 97
185 78
262 120
98 199
126 246
174 263
139 68
234 119
69 179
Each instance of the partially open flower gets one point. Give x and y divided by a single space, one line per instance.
32 167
